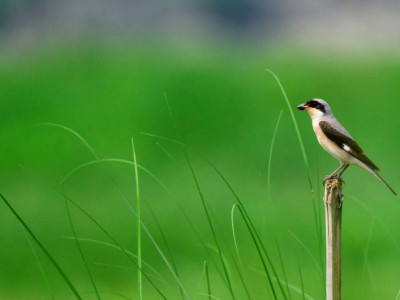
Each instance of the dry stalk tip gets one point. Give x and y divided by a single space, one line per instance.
333 199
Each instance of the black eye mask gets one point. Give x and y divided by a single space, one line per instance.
316 104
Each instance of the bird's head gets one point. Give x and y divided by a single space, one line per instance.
316 108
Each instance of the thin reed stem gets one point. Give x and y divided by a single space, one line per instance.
138 227
333 200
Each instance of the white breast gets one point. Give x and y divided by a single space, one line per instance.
330 146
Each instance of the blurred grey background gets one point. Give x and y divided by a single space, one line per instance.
330 23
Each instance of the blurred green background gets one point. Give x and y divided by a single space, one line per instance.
211 92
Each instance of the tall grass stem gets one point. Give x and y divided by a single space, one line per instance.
138 227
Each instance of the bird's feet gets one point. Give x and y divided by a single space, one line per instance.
332 176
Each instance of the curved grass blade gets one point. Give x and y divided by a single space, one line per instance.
164 238
160 252
178 136
233 232
40 266
238 269
98 160
379 220
138 226
211 226
240 266
293 287
253 237
282 266
208 280
81 251
171 115
165 151
115 266
202 243
118 160
270 154
55 264
164 138
303 149
253 231
113 294
188 219
91 150
110 237
84 142
366 252
215 250
158 275
301 282
318 225
210 296
308 251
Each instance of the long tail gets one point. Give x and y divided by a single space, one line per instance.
383 181
375 173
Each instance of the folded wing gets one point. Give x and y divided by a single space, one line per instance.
346 143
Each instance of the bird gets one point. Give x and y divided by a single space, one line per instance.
337 141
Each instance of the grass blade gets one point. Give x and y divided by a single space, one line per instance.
114 294
207 276
164 138
233 232
282 266
270 154
117 160
138 226
202 243
210 296
308 251
83 141
379 220
55 264
164 238
254 239
240 266
158 275
110 237
303 149
252 231
211 226
160 252
293 287
318 225
364 268
208 280
301 283
98 160
81 251
41 269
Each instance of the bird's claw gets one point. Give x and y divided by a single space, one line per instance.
330 177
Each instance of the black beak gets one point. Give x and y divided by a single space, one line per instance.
301 107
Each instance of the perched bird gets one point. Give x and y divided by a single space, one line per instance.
335 139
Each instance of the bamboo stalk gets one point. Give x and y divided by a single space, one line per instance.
333 200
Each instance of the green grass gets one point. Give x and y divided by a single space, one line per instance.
215 103
206 210
42 247
138 226
40 265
